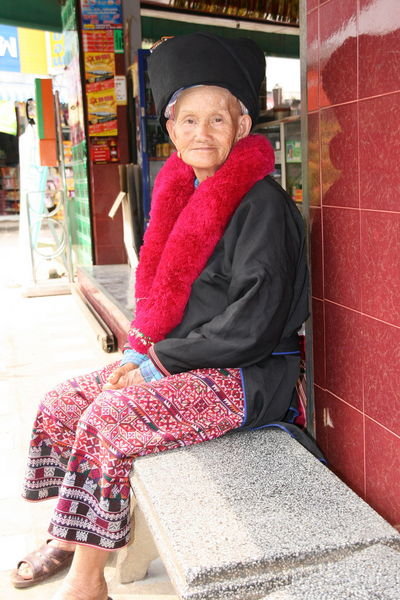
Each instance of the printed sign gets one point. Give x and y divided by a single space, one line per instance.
120 90
99 40
101 14
118 41
102 112
104 150
99 70
293 151
9 49
55 58
8 118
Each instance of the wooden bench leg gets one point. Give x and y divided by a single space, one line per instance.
133 561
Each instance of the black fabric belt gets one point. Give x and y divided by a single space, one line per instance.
287 346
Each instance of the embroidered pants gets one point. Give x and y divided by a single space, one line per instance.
85 440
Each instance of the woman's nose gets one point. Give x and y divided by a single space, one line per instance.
202 129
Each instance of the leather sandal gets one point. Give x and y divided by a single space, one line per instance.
44 562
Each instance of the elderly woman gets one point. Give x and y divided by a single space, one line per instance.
221 291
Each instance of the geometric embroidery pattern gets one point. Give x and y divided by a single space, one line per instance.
85 439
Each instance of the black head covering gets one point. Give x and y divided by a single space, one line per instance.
203 58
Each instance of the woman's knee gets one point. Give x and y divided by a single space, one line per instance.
104 408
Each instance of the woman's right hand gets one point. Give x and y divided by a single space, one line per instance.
113 379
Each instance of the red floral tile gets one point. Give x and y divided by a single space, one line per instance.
312 61
380 265
341 238
378 46
340 434
343 360
314 159
382 455
338 52
316 252
339 156
318 342
379 120
381 360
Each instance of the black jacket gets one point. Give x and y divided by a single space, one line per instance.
248 303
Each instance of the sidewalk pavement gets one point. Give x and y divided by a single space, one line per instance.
43 340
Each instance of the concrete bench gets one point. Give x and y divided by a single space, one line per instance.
253 515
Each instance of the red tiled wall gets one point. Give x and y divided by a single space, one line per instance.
353 74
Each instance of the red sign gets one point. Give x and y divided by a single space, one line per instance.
99 40
104 150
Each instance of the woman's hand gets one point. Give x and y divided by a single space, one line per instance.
121 377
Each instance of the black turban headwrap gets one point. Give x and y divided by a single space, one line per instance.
206 59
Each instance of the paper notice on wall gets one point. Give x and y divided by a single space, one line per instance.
102 112
98 40
120 90
101 14
99 70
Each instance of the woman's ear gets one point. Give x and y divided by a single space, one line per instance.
170 125
244 127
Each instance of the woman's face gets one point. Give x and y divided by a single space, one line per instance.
207 123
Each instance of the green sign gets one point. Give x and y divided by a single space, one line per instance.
118 41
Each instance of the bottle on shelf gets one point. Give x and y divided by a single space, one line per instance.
113 150
159 143
283 11
150 107
277 95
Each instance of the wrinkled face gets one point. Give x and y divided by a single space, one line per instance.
207 123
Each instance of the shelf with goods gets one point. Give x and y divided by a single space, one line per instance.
153 145
285 137
9 191
231 13
275 38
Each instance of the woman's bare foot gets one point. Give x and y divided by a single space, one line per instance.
85 579
25 570
72 589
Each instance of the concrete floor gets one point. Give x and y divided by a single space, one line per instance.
43 340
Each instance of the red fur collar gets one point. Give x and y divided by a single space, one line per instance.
185 226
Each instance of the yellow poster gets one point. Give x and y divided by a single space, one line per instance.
55 52
32 48
102 112
99 70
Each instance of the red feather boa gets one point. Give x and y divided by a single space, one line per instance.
185 226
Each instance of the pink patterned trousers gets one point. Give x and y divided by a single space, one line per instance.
85 440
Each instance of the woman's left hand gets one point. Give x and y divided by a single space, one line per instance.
133 377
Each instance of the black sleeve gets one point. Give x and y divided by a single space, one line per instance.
259 297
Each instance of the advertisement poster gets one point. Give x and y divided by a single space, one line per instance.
76 117
102 112
9 49
55 52
99 70
99 40
121 90
101 14
293 151
104 150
